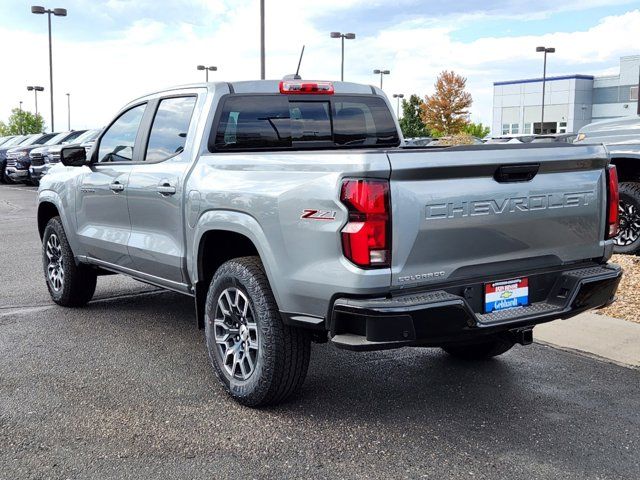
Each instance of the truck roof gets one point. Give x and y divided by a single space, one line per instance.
268 86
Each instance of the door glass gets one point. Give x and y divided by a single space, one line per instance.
170 127
118 142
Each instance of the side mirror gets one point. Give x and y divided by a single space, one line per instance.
73 156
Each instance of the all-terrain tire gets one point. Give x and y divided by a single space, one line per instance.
482 350
629 218
78 282
282 359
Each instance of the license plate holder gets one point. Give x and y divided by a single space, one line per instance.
506 294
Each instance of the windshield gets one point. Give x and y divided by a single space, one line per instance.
87 136
57 139
29 140
14 141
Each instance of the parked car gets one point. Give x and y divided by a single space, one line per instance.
8 145
290 213
52 157
37 155
509 139
622 138
417 141
5 139
555 137
17 169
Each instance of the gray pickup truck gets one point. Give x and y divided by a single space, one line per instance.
291 212
621 137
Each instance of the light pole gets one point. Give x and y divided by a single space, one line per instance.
398 96
544 80
342 36
35 90
68 111
58 12
381 72
207 70
262 60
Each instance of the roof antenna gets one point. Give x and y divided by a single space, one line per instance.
296 76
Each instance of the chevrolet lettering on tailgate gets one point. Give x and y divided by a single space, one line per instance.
474 208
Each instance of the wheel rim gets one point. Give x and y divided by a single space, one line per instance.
236 333
55 265
629 230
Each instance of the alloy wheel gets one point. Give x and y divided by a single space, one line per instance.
236 333
629 224
55 267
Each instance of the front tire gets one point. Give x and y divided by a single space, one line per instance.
482 350
258 359
69 285
628 239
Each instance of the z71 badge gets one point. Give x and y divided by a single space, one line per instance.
313 214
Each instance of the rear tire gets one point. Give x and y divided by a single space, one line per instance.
628 239
258 359
481 350
69 285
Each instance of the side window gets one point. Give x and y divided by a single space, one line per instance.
117 144
170 126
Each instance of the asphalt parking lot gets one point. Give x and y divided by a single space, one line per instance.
123 389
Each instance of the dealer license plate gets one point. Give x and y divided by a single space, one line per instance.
506 294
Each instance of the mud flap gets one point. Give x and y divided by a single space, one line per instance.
200 301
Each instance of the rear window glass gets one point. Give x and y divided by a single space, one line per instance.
281 122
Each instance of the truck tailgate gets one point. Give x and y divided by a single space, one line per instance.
465 212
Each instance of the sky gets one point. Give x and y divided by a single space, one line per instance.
106 53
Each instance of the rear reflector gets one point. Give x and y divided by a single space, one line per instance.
306 88
613 197
366 238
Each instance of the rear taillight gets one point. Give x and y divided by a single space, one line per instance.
306 88
366 238
613 197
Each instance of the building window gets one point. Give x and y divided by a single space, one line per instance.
515 128
527 129
505 129
633 94
562 127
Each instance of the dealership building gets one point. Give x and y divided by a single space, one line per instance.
571 101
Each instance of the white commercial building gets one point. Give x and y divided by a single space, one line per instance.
571 101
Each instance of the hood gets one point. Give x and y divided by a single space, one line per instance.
625 130
613 124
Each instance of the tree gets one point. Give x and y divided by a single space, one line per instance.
411 122
446 110
22 122
477 130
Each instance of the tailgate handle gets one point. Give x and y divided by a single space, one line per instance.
516 173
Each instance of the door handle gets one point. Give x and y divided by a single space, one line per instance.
116 187
165 189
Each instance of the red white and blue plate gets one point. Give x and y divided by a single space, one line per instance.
506 294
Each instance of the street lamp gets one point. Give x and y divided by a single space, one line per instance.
20 117
58 12
398 96
381 72
35 90
207 70
262 48
544 80
342 36
68 111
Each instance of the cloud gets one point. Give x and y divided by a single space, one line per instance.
146 54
